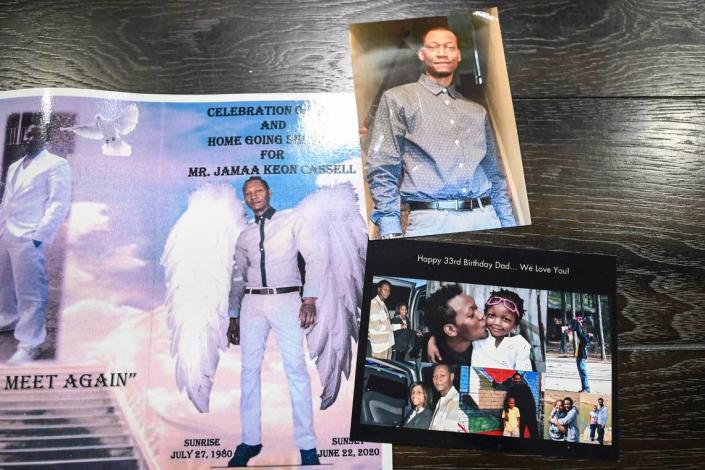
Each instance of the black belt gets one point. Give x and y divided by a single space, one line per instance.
454 205
271 290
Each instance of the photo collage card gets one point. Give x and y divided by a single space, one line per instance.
503 348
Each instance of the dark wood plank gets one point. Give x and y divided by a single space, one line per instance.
605 48
615 176
553 47
661 419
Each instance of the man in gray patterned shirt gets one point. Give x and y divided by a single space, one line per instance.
434 150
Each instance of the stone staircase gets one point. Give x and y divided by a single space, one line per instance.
56 429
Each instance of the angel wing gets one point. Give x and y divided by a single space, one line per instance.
90 131
127 121
198 259
342 239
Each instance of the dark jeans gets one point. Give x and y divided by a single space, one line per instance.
600 434
593 428
399 355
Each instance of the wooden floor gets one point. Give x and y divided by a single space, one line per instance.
609 99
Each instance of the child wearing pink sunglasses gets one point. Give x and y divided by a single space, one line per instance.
504 348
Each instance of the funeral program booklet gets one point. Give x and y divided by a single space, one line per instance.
180 280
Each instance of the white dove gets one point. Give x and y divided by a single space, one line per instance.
110 131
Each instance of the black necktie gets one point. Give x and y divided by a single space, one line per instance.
260 220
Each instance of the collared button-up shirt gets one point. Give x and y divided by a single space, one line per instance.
266 255
430 143
602 416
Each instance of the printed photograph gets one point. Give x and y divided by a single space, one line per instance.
595 422
578 343
577 417
436 123
442 397
500 402
35 192
403 394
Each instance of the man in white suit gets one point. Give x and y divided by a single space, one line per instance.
35 202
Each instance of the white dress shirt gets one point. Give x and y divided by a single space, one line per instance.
266 256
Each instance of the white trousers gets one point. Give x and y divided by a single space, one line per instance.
260 314
432 222
23 289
